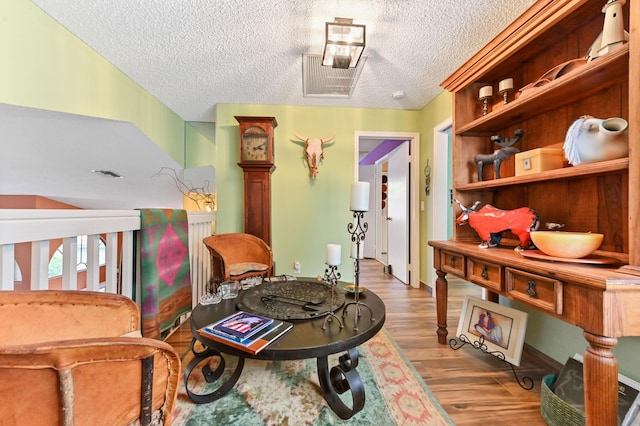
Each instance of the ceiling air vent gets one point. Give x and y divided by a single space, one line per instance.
326 82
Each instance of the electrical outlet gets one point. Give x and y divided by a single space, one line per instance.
296 267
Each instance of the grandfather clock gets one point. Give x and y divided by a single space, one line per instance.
256 160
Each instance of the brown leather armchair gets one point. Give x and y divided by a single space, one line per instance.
237 256
74 357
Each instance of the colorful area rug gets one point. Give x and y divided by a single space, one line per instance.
288 393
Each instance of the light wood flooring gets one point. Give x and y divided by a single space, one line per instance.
473 387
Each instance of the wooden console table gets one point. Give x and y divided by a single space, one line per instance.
599 299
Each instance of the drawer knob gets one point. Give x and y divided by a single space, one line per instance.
531 288
484 274
452 262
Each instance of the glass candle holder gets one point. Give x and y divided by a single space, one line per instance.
230 289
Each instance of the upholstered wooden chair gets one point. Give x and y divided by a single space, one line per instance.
237 256
76 357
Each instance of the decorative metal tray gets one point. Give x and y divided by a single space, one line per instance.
592 259
285 300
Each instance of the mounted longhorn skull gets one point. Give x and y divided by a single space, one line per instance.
314 152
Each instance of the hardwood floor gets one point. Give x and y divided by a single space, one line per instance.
473 387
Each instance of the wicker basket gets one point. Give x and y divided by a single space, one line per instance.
555 411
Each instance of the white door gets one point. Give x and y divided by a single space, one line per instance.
397 212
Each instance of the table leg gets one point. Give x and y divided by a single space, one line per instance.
341 378
600 373
210 375
442 289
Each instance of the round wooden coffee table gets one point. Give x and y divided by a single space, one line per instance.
307 339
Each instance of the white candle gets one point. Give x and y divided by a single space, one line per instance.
506 84
355 253
334 253
360 197
486 92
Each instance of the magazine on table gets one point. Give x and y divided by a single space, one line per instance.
570 388
254 344
241 325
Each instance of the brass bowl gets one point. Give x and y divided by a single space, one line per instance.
570 245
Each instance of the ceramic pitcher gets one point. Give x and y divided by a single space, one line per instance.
591 139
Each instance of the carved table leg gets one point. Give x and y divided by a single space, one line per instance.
442 289
210 375
340 379
600 381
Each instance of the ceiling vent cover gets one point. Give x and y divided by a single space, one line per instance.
326 82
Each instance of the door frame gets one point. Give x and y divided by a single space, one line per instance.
413 270
439 218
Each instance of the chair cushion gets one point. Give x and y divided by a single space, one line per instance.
236 269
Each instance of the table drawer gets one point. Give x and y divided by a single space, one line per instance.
542 292
452 263
485 274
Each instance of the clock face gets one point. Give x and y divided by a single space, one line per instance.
255 148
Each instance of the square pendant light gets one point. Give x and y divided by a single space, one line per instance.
344 43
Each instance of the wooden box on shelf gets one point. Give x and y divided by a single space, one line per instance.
538 160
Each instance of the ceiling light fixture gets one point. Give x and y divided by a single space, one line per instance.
344 43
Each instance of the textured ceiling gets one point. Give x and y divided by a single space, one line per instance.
194 54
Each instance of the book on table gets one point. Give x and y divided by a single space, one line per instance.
254 344
240 325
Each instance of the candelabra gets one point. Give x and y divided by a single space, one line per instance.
331 277
357 230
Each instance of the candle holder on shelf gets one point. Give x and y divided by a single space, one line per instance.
331 277
357 230
504 87
485 94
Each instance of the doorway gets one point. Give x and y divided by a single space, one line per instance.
406 265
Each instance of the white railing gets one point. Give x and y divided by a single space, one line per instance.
199 228
39 227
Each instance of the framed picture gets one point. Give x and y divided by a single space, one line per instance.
500 328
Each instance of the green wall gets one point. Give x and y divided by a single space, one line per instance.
432 115
307 214
199 144
44 66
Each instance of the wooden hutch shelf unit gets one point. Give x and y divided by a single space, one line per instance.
600 197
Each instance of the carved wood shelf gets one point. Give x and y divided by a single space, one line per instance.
602 167
580 83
